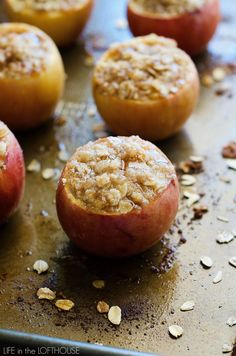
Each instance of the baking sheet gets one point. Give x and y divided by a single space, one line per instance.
149 288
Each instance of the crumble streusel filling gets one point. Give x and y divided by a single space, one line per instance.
144 68
117 174
21 52
48 5
167 7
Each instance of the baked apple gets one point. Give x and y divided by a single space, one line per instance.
12 173
145 86
62 20
192 23
31 76
117 196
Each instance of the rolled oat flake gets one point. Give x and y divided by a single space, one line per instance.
176 331
232 261
231 321
218 277
206 261
226 348
187 306
114 315
225 237
46 293
40 266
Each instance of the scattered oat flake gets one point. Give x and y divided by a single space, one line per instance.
64 304
188 180
98 127
175 331
44 213
225 179
34 166
187 306
218 74
190 167
114 315
91 112
63 156
218 277
227 348
234 233
98 284
196 159
231 163
46 293
48 173
207 80
225 237
231 321
223 219
232 261
192 198
102 307
223 88
40 266
100 134
99 43
121 24
206 261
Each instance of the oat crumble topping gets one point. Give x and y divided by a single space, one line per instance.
117 174
22 52
144 68
168 7
48 5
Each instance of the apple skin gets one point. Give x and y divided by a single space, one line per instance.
12 177
192 31
30 101
63 27
117 236
152 120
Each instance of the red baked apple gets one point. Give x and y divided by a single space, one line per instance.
145 86
62 20
191 23
31 76
117 196
12 173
